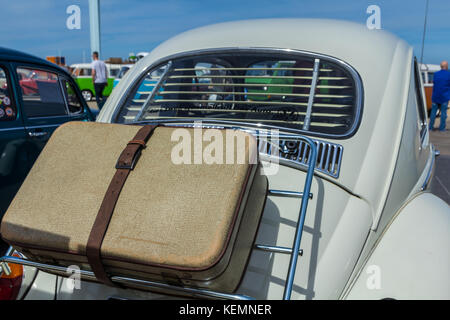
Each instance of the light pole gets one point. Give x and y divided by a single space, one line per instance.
94 25
424 31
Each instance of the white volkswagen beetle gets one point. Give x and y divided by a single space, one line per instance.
371 229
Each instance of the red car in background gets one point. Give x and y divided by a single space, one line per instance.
29 81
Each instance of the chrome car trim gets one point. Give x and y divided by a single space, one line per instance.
312 91
89 275
154 90
48 117
430 170
37 134
31 127
11 129
45 126
357 81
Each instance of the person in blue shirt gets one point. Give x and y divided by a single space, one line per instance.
440 96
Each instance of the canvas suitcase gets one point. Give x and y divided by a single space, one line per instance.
187 224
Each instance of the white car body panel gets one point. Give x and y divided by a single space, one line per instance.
43 287
413 262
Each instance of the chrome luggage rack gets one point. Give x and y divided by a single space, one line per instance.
170 289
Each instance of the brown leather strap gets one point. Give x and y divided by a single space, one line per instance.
125 164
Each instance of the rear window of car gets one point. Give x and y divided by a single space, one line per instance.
78 72
301 93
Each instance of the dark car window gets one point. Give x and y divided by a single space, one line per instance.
7 108
122 72
114 73
72 99
424 80
85 72
41 93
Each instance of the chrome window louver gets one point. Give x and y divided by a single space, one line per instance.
297 92
292 153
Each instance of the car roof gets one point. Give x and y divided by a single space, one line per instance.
89 65
325 36
15 55
81 65
430 67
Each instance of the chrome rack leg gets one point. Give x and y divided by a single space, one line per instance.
275 249
299 230
287 194
300 223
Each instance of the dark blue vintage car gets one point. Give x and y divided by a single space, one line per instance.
36 97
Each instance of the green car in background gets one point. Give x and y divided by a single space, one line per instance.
266 74
82 73
274 80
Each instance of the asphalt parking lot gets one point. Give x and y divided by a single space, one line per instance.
440 185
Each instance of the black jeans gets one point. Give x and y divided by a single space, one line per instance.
98 87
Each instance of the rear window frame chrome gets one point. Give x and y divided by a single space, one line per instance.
359 90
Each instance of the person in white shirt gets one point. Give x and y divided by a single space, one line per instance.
99 77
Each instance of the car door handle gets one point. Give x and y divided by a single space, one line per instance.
37 134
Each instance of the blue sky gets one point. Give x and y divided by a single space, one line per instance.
39 27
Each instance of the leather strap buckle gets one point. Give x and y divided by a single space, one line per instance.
142 143
129 166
